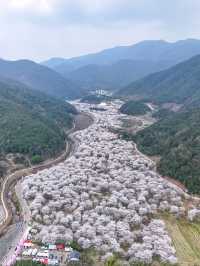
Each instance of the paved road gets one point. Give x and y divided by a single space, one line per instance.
15 177
10 240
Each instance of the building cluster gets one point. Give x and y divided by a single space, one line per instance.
105 196
49 254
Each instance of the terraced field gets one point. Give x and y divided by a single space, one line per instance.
186 239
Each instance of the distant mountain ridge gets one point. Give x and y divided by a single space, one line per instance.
155 50
53 62
39 78
113 76
98 69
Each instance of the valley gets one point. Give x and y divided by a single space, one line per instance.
99 158
107 196
99 133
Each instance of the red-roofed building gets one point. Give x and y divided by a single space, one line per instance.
44 261
60 246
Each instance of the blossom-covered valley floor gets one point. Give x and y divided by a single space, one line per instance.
105 196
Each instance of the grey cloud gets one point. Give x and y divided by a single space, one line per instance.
73 27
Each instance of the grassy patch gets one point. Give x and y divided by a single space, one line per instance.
186 240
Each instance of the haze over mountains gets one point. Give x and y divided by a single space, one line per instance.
115 75
110 69
39 78
116 67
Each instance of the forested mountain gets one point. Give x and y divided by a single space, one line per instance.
176 138
179 84
31 123
113 76
39 78
116 67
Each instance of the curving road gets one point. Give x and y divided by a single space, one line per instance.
15 177
82 121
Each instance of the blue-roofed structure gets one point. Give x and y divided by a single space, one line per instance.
74 255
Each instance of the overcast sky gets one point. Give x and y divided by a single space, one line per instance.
39 29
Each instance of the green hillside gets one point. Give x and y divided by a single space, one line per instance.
31 123
134 108
180 84
176 138
95 99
